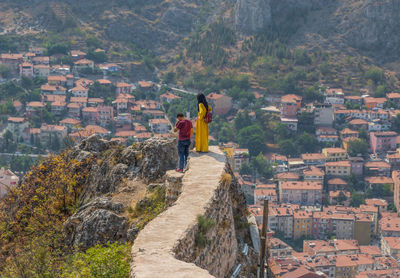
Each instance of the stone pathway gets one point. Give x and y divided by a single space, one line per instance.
152 255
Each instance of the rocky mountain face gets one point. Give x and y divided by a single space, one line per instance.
118 179
368 26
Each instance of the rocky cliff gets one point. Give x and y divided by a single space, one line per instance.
368 26
118 180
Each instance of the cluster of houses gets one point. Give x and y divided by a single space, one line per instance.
67 96
310 195
36 64
333 258
80 111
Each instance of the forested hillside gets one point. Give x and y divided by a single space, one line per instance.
278 46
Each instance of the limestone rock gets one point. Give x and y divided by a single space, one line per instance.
99 218
96 222
252 16
173 186
133 232
158 156
94 144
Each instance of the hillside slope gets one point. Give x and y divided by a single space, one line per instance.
94 193
369 26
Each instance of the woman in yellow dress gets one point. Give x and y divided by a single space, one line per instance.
201 125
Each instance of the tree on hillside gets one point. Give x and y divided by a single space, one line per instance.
245 169
8 139
355 183
357 146
363 134
357 199
287 147
306 122
281 132
242 120
307 143
376 75
4 71
97 57
262 166
252 138
57 48
312 94
107 92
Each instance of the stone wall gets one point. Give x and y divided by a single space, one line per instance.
169 247
220 255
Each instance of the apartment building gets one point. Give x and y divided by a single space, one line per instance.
302 224
316 159
382 142
220 104
334 154
301 192
323 114
390 246
314 174
159 125
396 188
338 168
16 125
289 105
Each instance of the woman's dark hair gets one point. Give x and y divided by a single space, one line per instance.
201 98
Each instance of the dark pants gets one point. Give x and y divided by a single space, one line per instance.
183 152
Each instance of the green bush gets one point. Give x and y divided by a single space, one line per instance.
109 261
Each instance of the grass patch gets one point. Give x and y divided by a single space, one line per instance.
150 206
204 226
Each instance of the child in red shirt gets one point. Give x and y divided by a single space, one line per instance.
185 129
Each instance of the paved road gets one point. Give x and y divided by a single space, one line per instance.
183 91
159 85
22 154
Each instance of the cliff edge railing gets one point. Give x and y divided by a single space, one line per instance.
171 235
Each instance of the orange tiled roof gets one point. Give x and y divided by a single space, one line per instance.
301 185
291 98
343 163
70 121
379 180
16 119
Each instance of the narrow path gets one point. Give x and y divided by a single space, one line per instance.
152 252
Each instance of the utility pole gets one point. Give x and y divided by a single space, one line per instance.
188 107
263 239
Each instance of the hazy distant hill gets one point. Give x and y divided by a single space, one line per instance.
367 25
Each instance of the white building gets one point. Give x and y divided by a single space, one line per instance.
323 115
7 180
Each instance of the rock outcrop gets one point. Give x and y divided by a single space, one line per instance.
99 221
116 170
114 163
252 16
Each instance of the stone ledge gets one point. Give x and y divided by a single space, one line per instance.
153 250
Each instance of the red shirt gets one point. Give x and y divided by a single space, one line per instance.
184 126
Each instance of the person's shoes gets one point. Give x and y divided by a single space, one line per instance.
179 170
